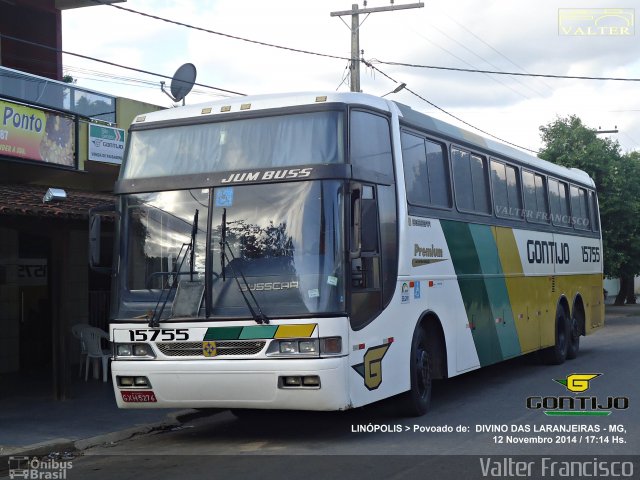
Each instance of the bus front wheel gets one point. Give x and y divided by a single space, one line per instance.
415 402
557 354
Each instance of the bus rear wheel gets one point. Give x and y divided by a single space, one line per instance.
575 327
557 354
416 401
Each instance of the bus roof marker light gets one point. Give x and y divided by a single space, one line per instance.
245 106
204 111
322 98
141 118
226 108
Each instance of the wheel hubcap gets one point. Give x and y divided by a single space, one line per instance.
562 338
422 372
574 329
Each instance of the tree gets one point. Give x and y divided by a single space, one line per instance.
570 143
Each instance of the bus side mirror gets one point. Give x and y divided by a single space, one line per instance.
369 225
356 219
95 237
364 221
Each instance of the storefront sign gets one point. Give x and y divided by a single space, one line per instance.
106 144
32 134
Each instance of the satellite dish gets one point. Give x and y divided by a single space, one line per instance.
181 82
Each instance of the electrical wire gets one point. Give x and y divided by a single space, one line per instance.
338 57
451 114
457 42
497 80
113 64
213 32
493 48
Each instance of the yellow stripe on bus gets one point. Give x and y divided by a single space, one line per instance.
295 331
524 293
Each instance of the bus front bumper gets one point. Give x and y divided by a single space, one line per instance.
233 384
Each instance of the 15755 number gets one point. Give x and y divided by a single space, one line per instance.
590 254
163 335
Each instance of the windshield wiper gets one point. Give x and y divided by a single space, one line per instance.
185 249
258 316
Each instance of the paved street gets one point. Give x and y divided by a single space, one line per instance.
495 396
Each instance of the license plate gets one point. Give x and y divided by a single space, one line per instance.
139 397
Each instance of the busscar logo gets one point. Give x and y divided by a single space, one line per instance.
578 405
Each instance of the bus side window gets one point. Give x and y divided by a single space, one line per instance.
426 174
506 190
559 203
370 147
470 179
535 197
594 211
579 208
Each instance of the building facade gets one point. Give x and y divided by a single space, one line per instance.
53 135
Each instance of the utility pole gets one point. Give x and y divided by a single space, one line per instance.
355 33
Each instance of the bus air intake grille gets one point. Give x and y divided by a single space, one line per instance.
194 349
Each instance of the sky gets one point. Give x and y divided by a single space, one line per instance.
498 35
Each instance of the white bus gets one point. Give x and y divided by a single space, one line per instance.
323 252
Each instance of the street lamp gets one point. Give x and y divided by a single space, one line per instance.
397 89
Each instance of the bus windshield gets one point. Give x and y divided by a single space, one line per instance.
275 141
286 240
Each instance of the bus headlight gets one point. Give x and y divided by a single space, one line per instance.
288 347
124 350
308 346
134 350
305 347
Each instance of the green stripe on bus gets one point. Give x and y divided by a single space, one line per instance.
496 287
222 333
258 331
474 291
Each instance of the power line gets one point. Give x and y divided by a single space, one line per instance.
497 80
517 74
100 76
492 48
227 35
451 114
338 57
106 62
452 39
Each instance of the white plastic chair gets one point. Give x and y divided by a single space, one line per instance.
92 338
76 331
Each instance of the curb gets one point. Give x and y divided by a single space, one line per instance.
173 419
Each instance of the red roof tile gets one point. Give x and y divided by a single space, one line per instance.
27 200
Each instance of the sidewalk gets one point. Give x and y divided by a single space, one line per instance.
32 423
622 310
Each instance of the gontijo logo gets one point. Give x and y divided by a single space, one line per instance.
586 406
577 382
